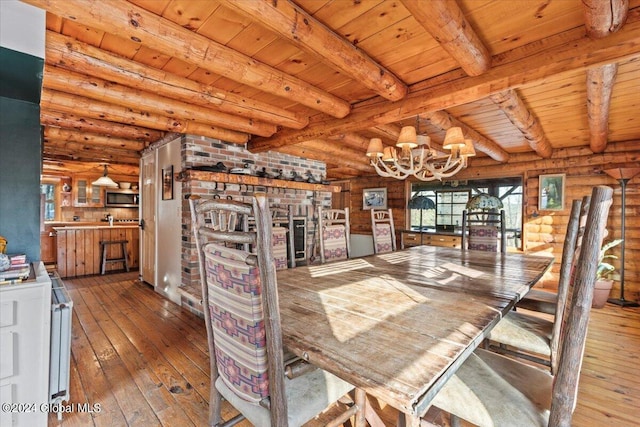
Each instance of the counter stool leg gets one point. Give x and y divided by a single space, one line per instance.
124 256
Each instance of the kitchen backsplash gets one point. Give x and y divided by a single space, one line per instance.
97 214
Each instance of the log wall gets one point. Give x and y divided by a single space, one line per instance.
543 232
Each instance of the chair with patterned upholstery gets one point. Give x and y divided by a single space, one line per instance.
335 234
384 234
283 246
483 230
242 316
493 390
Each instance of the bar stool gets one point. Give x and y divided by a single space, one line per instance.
104 244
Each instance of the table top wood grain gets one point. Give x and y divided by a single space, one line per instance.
398 325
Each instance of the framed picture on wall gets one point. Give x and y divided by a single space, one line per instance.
551 192
167 183
374 198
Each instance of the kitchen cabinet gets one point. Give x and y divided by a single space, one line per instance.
78 248
87 195
25 325
414 238
48 245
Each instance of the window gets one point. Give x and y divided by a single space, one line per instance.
439 205
49 191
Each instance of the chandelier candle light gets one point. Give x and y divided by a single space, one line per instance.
417 158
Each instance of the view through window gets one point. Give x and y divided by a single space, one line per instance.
438 206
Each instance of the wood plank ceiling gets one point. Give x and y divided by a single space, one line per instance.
319 78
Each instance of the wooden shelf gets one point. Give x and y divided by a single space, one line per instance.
192 175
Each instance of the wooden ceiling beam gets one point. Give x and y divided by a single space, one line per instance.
444 121
96 126
82 152
528 70
317 150
87 168
131 22
68 53
525 120
64 102
600 81
114 93
53 134
446 23
602 18
303 30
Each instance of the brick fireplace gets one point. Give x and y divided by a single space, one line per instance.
302 196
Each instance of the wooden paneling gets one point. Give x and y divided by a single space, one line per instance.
78 250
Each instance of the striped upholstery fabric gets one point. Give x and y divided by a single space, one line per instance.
235 307
335 242
383 238
483 238
279 244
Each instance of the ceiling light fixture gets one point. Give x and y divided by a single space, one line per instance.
104 180
416 156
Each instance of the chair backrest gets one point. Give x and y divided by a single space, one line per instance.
241 301
283 244
483 230
384 234
576 318
335 234
568 256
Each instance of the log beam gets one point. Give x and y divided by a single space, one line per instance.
87 168
444 121
64 102
600 81
96 126
603 17
302 29
434 95
53 134
114 93
82 152
68 53
131 22
446 23
514 108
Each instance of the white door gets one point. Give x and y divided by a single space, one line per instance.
148 216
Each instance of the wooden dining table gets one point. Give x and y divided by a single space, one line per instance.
398 325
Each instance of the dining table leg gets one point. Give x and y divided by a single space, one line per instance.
406 420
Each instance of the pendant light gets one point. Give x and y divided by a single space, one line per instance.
104 180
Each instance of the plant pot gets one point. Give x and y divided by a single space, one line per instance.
601 292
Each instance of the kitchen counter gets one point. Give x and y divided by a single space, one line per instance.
92 226
78 246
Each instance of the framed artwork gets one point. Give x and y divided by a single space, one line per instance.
374 198
551 192
167 183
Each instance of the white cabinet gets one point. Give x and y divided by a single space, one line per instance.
25 319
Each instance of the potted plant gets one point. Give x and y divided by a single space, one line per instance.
605 270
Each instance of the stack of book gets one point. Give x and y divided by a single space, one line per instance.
19 270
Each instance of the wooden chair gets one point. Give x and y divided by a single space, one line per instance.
493 390
547 302
532 337
283 245
483 230
335 234
242 316
384 234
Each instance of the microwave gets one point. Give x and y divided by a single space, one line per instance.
121 199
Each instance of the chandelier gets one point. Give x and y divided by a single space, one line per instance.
417 158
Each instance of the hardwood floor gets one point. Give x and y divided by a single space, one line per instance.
142 361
